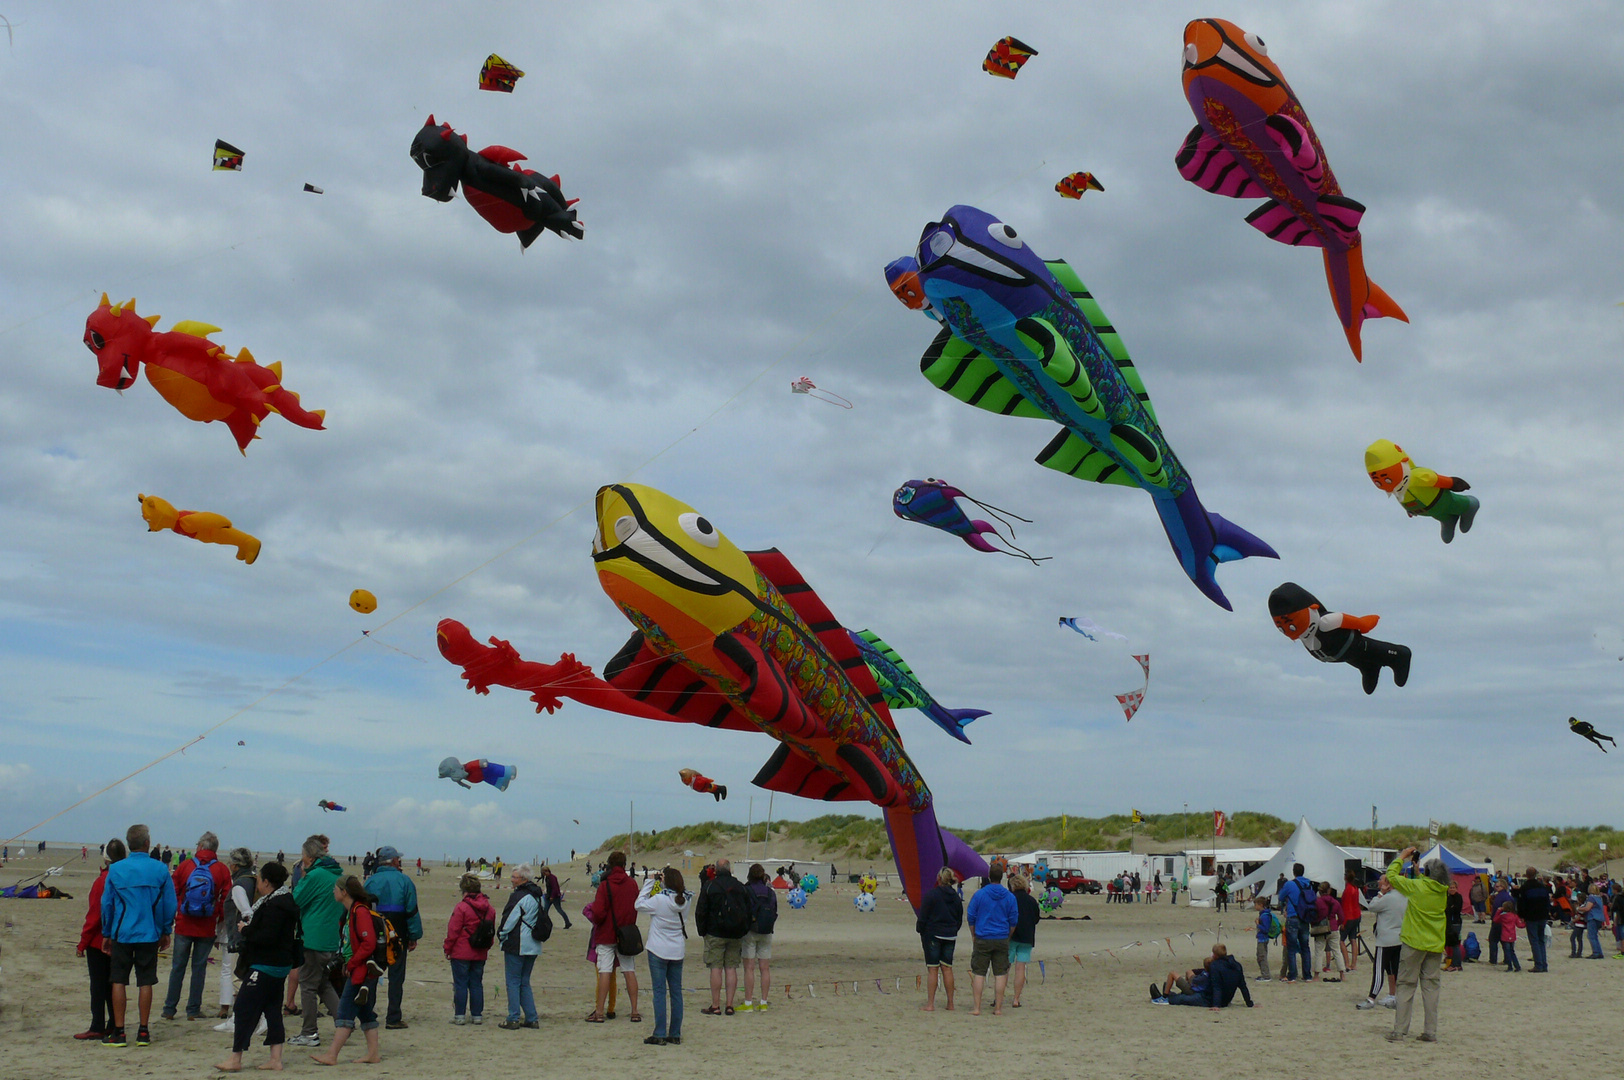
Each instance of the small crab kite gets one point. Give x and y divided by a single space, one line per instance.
227 158
328 804
498 75
1131 701
691 778
1006 57
934 502
1583 728
192 373
198 524
467 773
806 386
1073 186
1090 629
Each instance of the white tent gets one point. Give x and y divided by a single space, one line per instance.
1321 859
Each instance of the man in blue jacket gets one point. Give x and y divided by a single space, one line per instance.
397 902
1297 897
137 911
992 914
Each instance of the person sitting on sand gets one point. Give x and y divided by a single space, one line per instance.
265 957
1225 976
1193 981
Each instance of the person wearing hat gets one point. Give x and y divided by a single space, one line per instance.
1422 492
1334 637
397 902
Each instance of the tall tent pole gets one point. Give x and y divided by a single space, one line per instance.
749 824
767 838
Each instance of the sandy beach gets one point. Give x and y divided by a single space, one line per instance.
845 1002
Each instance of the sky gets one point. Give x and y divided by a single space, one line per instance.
745 171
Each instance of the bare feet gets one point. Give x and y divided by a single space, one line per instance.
975 1012
271 1066
323 1061
929 1008
998 1012
229 1067
370 1060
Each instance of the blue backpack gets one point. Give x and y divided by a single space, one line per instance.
198 902
1473 949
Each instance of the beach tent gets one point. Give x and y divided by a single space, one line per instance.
1321 859
1462 870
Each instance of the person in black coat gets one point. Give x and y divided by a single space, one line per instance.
941 914
266 955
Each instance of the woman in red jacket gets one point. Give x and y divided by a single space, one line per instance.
468 961
93 948
361 986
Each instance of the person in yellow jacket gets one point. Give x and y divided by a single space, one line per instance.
1422 492
1421 942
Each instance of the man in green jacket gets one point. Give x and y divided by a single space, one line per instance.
320 917
1421 940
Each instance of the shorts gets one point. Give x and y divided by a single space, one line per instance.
1182 984
989 951
608 954
141 957
938 951
1350 930
1390 960
1019 952
758 946
723 952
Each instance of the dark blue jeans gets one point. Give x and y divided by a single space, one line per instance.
348 1012
468 987
397 988
195 950
666 972
1187 999
558 906
1595 947
1536 942
520 998
1510 949
1297 943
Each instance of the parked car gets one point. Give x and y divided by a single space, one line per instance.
1072 881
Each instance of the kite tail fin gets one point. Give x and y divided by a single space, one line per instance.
953 721
1356 297
981 529
1202 540
922 847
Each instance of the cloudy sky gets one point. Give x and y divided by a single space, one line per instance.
744 172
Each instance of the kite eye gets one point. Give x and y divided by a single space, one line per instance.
624 527
1005 235
1257 43
940 244
1191 54
97 342
700 530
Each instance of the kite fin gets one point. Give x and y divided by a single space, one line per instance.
1075 456
954 365
674 689
502 155
792 773
1202 540
1281 223
1343 215
953 721
1292 139
194 328
1068 279
1204 161
1356 297
1059 363
922 847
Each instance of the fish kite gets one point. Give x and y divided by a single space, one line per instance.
806 386
327 804
703 784
512 198
1006 58
902 688
363 602
199 525
1090 629
1582 727
1073 186
1131 701
1337 638
1422 492
227 158
498 75
479 771
933 502
1022 337
738 641
192 373
1254 141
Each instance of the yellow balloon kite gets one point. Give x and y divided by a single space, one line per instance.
363 601
199 525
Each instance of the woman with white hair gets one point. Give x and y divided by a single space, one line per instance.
1421 938
520 947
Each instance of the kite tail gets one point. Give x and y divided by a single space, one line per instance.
976 538
1356 297
952 721
1202 540
922 848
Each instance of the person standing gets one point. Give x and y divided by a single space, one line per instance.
665 898
1508 922
757 948
1421 943
267 933
1024 936
469 934
614 908
360 997
941 914
992 915
1263 928
1388 911
93 947
1534 905
1328 920
240 861
1594 911
722 917
555 896
1297 899
202 883
1352 900
397 902
520 947
1454 905
137 911
321 915
1479 897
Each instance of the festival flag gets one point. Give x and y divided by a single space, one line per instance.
1219 822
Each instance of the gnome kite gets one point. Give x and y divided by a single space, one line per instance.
703 784
1422 492
468 773
1335 637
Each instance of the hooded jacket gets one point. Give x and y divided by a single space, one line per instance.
322 915
1423 927
992 912
397 900
617 894
941 914
470 911
1224 977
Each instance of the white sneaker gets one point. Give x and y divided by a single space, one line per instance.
1368 1003
460 1021
226 1025
305 1040
476 1020
1389 1002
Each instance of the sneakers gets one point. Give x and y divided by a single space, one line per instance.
1262 978
1424 1037
143 1037
460 1021
476 1020
114 1038
1159 1001
86 1036
510 1025
396 1025
305 1040
531 1024
1395 1036
761 1006
363 994
1389 1002
674 1040
654 1040
745 1007
1368 1003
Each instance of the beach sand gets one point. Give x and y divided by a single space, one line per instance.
1091 1018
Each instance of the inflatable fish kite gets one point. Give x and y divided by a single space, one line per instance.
1073 186
1006 58
902 688
1254 141
513 199
933 502
192 373
328 804
227 158
479 771
691 778
199 525
1022 337
734 640
1090 629
498 75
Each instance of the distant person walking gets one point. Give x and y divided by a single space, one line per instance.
992 915
1422 943
1023 937
93 947
469 935
665 898
941 914
555 895
138 908
397 902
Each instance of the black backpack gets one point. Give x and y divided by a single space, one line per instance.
542 928
730 912
483 936
763 912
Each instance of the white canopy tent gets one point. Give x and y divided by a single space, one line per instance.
1321 859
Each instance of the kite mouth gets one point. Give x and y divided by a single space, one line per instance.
636 539
1206 44
941 245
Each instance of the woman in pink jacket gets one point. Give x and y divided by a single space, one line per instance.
468 940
